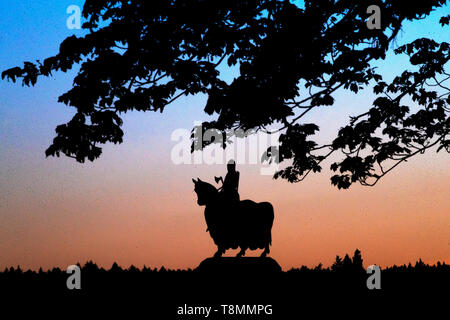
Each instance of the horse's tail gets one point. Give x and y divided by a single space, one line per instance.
268 217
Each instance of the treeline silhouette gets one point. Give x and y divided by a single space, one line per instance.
160 291
344 268
346 264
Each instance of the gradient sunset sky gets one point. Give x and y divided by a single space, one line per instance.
135 206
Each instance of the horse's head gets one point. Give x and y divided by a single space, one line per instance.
206 193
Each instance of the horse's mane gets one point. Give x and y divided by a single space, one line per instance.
207 187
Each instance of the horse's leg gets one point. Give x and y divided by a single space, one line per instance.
266 251
219 252
242 252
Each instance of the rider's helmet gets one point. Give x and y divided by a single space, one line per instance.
231 166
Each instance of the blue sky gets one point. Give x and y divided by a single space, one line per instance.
34 29
28 116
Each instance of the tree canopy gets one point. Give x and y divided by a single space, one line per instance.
142 55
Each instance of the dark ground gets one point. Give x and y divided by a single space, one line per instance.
339 291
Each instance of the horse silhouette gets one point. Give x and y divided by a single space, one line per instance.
245 224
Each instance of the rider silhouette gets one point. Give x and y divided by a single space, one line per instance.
230 185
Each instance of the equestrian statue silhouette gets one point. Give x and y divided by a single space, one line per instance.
233 223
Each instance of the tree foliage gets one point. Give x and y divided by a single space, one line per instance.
142 55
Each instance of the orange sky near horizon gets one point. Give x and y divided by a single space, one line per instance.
146 217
